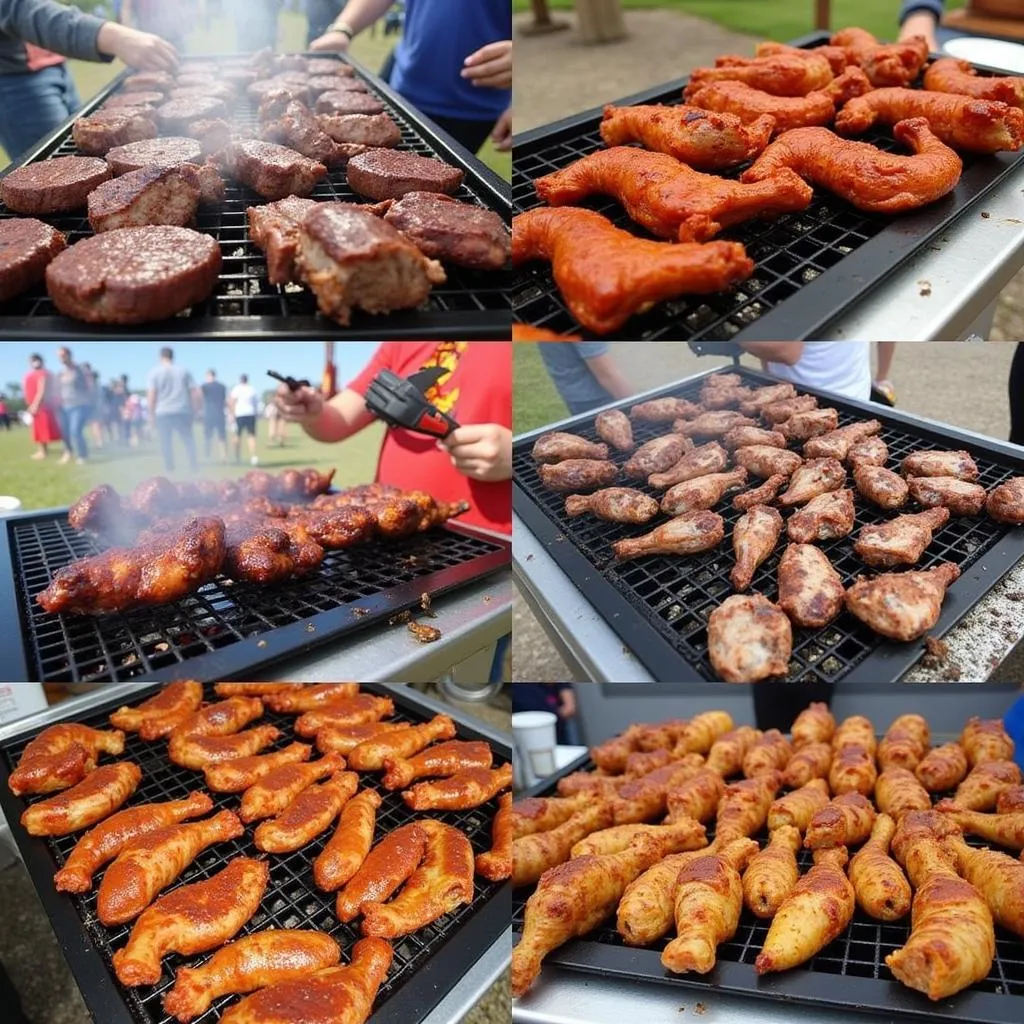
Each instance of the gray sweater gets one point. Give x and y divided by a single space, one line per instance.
53 26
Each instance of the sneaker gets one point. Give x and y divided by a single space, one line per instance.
65 459
254 461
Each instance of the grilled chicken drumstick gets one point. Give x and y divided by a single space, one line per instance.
200 752
942 768
221 718
241 773
753 539
814 477
798 807
348 711
845 821
986 740
469 787
346 850
687 534
902 606
958 76
772 873
768 754
779 74
836 444
744 808
697 797
578 475
984 784
1002 829
310 698
159 715
1005 503
810 589
541 814
906 741
659 454
690 464
272 792
342 739
872 451
371 755
613 426
899 541
884 63
61 756
882 889
558 446
679 836
385 868
998 877
815 724
614 505
307 816
825 517
442 759
810 762
703 492
727 752
496 863
959 496
881 486
749 639
765 494
98 795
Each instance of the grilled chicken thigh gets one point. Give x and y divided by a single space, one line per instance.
558 446
657 455
1005 503
902 606
708 458
804 425
872 451
578 475
712 424
614 505
810 590
741 437
825 517
901 541
837 443
687 534
753 539
765 396
939 463
959 496
881 486
613 426
702 492
780 411
749 639
664 410
818 476
765 461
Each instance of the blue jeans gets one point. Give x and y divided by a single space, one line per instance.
33 104
72 425
180 423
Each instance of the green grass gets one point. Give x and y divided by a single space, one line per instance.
371 50
46 483
775 20
537 402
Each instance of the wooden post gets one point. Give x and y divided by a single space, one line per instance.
600 21
542 22
823 15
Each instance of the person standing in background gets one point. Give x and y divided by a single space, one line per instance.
75 407
584 374
882 390
244 407
558 698
5 416
42 400
172 399
214 415
842 367
320 15
275 425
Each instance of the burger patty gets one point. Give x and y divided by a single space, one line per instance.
151 195
445 229
143 100
271 170
53 186
105 129
26 247
167 152
316 84
134 275
370 130
355 101
391 173
216 90
148 81
176 115
328 66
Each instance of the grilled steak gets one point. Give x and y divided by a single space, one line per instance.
142 100
328 66
53 186
390 173
275 229
298 129
366 130
105 129
134 275
316 84
213 134
353 101
168 152
445 229
175 116
271 170
151 195
351 259
293 81
240 78
26 247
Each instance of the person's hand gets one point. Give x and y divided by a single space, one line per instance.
336 41
567 703
501 134
482 451
490 66
302 406
921 23
137 49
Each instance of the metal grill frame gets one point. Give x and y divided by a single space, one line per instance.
663 650
821 982
798 286
436 962
470 305
250 639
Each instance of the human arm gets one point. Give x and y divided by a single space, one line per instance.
606 372
151 402
886 351
341 417
920 18
490 66
357 15
481 451
788 352
501 134
127 12
566 701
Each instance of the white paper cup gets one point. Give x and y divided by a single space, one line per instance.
534 735
9 504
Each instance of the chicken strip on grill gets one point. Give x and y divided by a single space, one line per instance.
836 444
765 461
825 517
749 639
780 74
772 873
764 494
810 589
743 437
657 455
613 426
881 888
698 462
900 541
872 451
578 475
902 606
559 446
614 505
687 534
986 740
712 424
753 540
802 426
702 492
817 476
1005 503
958 496
664 410
881 486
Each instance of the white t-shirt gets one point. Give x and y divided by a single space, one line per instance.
244 398
843 367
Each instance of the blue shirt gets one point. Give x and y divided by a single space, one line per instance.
438 36
566 363
935 7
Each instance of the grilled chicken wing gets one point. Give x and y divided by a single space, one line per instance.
442 759
200 752
370 756
697 797
360 710
342 739
687 534
700 732
578 475
815 724
768 754
884 63
61 756
657 455
772 873
958 76
810 590
749 639
669 198
251 962
469 787
881 486
906 741
98 795
726 754
385 868
348 848
1005 503
902 606
613 426
817 476
679 836
998 877
766 493
900 541
703 140
697 462
765 396
818 909
159 715
802 426
959 496
744 437
797 808
495 864
307 816
809 762
154 860
836 444
1002 829
558 446
845 821
646 798
825 517
881 888
979 126
192 919
985 783
664 410
712 424
606 274
753 539
780 74
614 505
241 773
942 768
872 451
535 853
222 718
703 492
744 808
765 461
780 410
986 740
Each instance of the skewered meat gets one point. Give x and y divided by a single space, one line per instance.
852 770
986 740
495 864
810 590
712 424
192 919
749 639
442 759
221 718
815 724
385 868
881 888
697 797
802 426
881 486
1005 503
743 437
679 836
957 464
669 198
765 461
958 76
779 74
884 63
656 455
614 505
780 410
467 788
825 517
872 451
558 446
311 813
98 795
796 809
845 821
371 755
906 741
985 783
708 458
818 909
836 444
348 848
743 810
898 792
606 275
535 853
160 714
762 495
60 756
1002 829
900 541
979 126
960 497
726 754
814 477
199 752
753 540
765 396
902 606
613 426
273 171
578 475
700 732
809 762
664 410
767 755
863 175
241 773
687 534
942 768
702 492
772 873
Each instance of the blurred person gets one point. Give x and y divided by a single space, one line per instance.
75 407
172 398
171 21
320 14
842 367
244 406
255 24
214 415
43 401
115 412
584 373
558 698
37 92
882 390
5 416
276 425
454 62
1016 388
924 18
97 413
133 413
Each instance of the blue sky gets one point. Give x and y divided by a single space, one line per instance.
228 358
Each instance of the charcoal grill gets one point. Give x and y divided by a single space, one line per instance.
848 976
810 266
427 964
470 305
225 630
659 606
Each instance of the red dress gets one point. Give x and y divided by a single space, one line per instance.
45 428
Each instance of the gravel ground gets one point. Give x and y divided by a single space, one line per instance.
960 384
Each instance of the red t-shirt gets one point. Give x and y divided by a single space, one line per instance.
478 389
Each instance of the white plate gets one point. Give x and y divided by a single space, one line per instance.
995 53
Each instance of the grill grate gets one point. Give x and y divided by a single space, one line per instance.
470 304
857 957
793 254
292 899
225 628
667 600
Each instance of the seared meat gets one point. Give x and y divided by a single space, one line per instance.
317 84
148 81
213 134
825 517
959 496
614 505
271 170
810 590
257 553
52 186
578 475
765 493
359 132
939 463
902 605
328 66
348 101
814 477
294 82
100 511
872 451
664 410
879 485
275 229
558 446
167 152
445 229
175 116
660 454
390 174
743 437
687 534
26 247
351 259
763 460
749 639
297 128
613 426
152 195
103 130
900 541
753 539
139 100
1005 503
